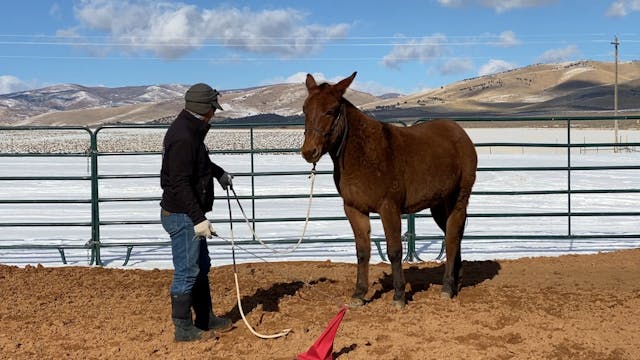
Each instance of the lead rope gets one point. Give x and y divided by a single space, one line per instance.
235 277
304 228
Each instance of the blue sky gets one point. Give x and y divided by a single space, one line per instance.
396 46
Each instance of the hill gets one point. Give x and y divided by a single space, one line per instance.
542 89
91 106
576 88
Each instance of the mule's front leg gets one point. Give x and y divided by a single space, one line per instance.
361 231
391 222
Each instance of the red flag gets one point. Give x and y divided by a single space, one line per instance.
322 349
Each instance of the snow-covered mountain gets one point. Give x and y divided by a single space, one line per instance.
26 104
576 88
71 104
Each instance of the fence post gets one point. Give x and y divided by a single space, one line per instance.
410 237
253 185
569 181
95 205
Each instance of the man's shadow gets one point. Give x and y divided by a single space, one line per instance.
268 298
473 273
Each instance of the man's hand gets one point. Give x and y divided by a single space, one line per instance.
205 229
225 180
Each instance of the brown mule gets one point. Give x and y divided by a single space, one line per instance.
391 170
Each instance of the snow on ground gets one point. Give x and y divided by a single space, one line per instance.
148 257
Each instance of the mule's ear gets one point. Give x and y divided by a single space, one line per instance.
310 82
343 84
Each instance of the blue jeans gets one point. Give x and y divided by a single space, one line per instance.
191 261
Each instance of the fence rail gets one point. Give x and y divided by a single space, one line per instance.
94 151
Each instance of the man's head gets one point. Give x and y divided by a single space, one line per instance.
201 99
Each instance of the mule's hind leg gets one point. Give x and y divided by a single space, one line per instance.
440 214
361 227
453 238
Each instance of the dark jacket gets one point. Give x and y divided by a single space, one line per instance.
187 171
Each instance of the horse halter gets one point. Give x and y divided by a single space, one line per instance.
334 125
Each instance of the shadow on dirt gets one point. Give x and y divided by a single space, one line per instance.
268 298
473 273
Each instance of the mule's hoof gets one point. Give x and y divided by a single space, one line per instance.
356 302
399 304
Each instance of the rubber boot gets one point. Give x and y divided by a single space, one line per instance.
203 308
219 324
181 316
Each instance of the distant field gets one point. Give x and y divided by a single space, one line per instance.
131 140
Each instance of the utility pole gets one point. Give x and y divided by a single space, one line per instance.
615 43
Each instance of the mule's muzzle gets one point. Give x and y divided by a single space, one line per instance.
311 155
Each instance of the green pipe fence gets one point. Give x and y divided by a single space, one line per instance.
93 152
42 151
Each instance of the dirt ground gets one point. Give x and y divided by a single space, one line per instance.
568 307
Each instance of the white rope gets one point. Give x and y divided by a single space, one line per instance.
304 228
233 245
306 283
235 276
282 333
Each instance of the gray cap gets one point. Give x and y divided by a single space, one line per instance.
200 98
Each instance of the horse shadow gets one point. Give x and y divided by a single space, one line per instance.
473 273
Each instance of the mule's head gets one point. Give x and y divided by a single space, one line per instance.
321 112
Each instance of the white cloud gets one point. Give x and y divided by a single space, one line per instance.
453 3
558 55
508 39
621 8
370 87
495 66
300 78
498 5
10 84
455 66
424 50
373 88
170 30
55 11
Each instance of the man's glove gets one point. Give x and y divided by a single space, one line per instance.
205 229
225 180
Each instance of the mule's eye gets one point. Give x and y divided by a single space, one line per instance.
331 113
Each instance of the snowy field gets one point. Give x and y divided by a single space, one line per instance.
148 257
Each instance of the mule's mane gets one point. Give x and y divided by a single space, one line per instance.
347 102
344 127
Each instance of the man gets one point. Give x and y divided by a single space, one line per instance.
186 179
